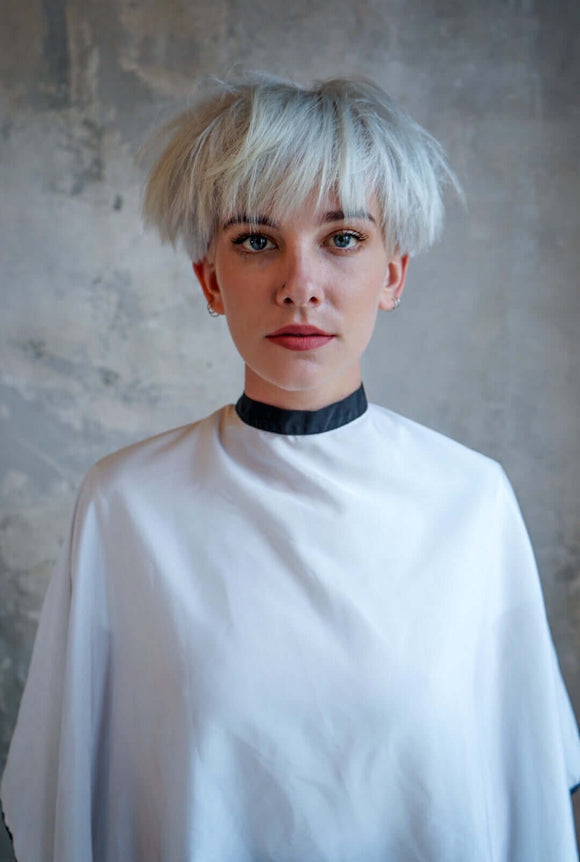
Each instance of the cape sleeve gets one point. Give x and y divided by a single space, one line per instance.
47 784
529 736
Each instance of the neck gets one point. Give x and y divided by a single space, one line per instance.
301 399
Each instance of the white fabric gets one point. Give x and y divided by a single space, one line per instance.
329 648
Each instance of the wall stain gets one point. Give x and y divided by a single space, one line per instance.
36 347
568 574
108 376
86 145
56 52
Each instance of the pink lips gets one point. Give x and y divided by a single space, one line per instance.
300 337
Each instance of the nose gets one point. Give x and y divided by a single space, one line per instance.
301 282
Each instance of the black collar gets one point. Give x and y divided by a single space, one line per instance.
266 417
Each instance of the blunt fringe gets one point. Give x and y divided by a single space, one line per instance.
263 145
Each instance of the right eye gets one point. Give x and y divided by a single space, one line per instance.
253 242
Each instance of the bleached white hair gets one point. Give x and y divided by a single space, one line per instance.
263 145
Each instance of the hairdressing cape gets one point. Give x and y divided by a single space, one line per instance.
294 647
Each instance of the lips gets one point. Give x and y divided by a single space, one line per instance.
300 337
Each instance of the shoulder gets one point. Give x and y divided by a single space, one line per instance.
467 498
153 462
437 458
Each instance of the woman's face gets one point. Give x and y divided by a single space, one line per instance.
301 297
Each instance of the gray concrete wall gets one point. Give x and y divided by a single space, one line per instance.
104 335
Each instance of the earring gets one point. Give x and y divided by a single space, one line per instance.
211 311
396 303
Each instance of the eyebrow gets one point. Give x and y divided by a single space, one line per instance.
332 215
244 218
339 215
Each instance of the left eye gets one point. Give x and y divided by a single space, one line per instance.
344 240
253 242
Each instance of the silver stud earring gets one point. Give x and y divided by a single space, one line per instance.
396 303
211 311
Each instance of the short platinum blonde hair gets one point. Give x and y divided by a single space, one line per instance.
264 145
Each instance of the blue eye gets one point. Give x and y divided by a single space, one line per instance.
344 240
253 242
257 242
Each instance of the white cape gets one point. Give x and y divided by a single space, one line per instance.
269 648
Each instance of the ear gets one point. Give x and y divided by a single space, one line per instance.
395 282
206 275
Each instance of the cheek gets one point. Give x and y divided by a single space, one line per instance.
231 287
366 295
239 281
241 304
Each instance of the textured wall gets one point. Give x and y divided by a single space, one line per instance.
104 335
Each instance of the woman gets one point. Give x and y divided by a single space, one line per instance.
303 628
